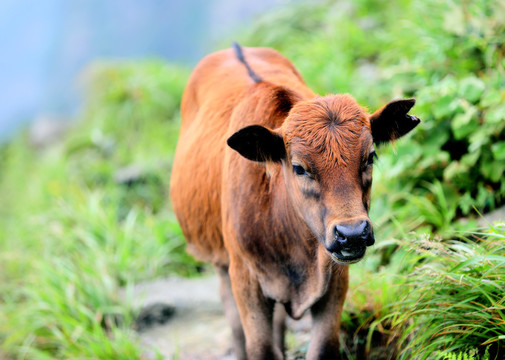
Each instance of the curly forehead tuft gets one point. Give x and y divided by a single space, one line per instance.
331 126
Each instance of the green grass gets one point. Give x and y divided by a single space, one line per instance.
451 300
434 299
69 299
73 236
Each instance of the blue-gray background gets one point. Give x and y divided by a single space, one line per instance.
45 44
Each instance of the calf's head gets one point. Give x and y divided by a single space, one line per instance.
326 149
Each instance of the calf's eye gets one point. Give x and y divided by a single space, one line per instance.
371 157
299 170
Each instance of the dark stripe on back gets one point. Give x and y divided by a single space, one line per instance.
240 56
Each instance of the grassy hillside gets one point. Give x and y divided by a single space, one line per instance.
90 214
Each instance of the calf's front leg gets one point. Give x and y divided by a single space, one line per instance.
256 312
279 328
326 314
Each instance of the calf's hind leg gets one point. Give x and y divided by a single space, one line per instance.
231 313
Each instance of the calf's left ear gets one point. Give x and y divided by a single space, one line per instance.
393 121
257 143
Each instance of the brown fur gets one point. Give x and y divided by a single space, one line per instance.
330 125
266 229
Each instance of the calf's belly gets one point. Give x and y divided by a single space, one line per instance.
195 193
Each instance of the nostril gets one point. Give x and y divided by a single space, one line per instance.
366 229
340 234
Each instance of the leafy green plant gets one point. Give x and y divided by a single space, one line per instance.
457 77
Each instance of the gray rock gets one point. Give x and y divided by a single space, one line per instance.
492 217
154 314
46 130
129 174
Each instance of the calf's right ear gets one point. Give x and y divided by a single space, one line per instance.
258 143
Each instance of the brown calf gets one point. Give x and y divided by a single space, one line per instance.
283 210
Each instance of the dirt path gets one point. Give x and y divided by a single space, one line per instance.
194 327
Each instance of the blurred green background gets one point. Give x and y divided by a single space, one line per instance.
89 213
